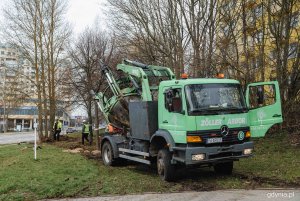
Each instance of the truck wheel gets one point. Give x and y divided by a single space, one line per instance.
107 154
224 168
164 167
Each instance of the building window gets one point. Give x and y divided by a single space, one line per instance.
295 20
258 10
26 123
272 54
229 5
293 50
259 36
2 52
251 20
255 63
226 30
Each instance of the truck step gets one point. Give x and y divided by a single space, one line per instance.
178 159
135 159
134 152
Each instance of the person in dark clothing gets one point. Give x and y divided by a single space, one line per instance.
57 129
86 131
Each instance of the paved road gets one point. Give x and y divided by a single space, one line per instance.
11 138
231 195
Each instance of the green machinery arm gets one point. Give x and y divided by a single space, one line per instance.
141 83
145 73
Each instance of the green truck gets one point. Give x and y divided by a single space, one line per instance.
156 119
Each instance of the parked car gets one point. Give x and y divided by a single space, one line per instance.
70 130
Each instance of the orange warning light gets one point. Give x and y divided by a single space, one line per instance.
220 75
184 76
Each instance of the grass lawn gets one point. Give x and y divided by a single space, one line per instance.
54 174
57 174
275 159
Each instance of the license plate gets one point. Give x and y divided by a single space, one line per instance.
214 140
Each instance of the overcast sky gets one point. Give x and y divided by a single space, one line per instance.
81 13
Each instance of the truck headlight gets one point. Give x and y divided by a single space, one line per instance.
248 151
198 157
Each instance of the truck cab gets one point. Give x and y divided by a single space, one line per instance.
207 118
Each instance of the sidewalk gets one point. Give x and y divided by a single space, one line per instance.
17 133
219 195
16 137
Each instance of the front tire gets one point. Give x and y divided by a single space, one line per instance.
107 154
164 167
224 168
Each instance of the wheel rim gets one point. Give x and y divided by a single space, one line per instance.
160 167
107 154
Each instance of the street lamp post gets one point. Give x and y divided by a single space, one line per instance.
3 100
4 107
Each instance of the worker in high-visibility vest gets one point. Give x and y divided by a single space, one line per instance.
57 129
86 131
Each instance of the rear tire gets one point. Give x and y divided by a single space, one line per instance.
224 168
164 167
107 154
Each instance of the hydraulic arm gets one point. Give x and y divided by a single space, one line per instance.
136 82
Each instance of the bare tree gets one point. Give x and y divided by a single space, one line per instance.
282 23
152 31
85 75
37 29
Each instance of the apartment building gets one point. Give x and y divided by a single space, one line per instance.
18 99
255 34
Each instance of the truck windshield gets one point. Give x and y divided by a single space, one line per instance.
214 98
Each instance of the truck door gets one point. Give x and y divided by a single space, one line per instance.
173 118
264 103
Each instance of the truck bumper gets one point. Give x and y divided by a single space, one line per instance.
212 154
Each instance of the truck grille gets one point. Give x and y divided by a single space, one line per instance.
231 137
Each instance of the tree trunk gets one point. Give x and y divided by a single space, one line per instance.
97 122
